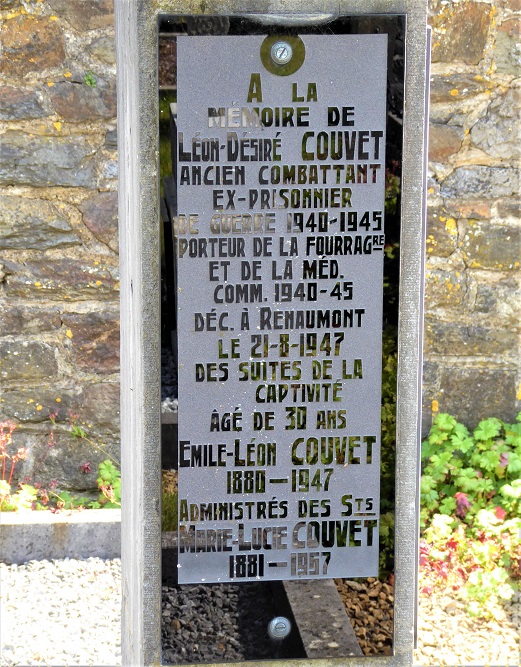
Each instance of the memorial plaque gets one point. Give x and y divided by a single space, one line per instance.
279 244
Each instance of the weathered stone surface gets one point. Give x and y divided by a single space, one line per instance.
94 341
509 208
103 49
22 319
476 210
501 299
80 102
60 460
491 246
100 407
460 31
444 141
85 14
33 224
35 404
100 215
111 139
449 338
43 161
481 182
471 394
29 360
456 88
498 133
17 103
29 44
445 289
442 233
508 47
69 279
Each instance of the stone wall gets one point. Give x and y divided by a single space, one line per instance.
59 292
58 229
472 334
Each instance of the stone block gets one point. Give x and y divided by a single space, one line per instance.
23 319
509 208
473 394
100 215
444 141
99 407
493 134
491 246
85 14
35 404
508 47
33 224
46 161
442 233
19 104
456 88
468 340
30 44
460 31
94 339
28 360
26 536
501 299
103 49
71 279
445 289
60 459
79 102
481 182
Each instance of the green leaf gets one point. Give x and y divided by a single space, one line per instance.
445 422
447 506
488 429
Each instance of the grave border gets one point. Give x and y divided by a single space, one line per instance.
136 46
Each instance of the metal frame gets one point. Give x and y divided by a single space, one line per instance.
136 35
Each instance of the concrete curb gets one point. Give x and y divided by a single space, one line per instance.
26 536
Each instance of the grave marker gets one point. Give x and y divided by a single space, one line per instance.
271 297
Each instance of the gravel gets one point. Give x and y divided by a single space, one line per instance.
61 612
218 623
67 613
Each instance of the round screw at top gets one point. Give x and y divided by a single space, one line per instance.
281 53
279 627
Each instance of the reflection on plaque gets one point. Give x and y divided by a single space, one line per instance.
279 239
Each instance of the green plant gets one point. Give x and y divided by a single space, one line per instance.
109 483
470 494
464 473
169 518
21 498
90 79
388 451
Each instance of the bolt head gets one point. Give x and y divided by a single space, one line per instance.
281 53
279 627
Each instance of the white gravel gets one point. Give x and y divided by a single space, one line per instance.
61 613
